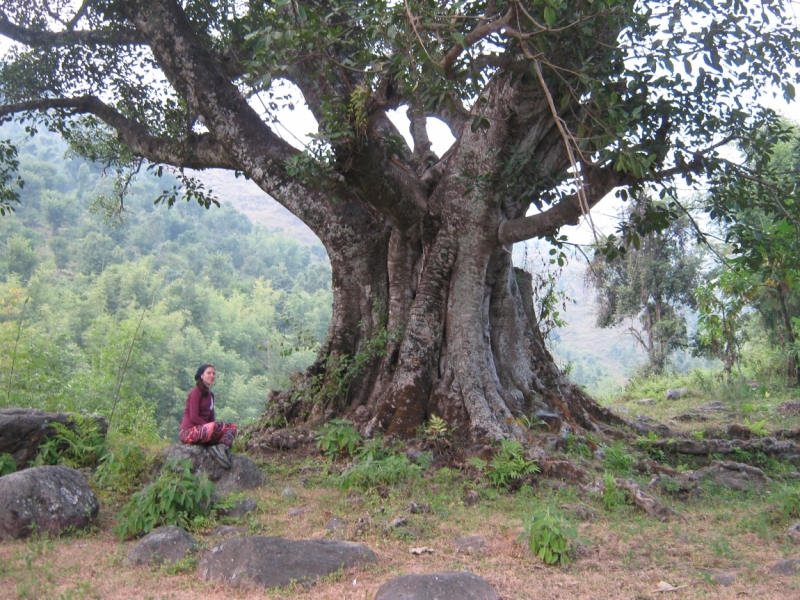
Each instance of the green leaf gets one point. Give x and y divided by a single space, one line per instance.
549 16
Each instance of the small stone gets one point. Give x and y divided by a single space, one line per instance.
470 545
724 579
354 499
336 525
647 401
398 522
794 533
296 512
675 394
417 509
471 498
239 509
228 531
288 493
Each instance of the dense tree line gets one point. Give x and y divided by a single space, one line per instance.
113 313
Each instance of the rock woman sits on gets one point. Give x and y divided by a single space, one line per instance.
198 425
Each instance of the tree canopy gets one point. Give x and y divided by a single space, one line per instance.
552 105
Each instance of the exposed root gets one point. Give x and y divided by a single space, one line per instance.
652 506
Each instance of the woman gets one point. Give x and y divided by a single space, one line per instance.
198 425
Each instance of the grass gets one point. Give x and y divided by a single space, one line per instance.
620 551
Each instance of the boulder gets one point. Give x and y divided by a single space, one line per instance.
243 475
239 509
790 566
22 430
676 393
45 499
270 562
162 545
453 585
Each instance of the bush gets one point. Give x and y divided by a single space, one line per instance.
618 459
83 445
122 470
789 502
509 465
549 537
338 437
370 472
177 497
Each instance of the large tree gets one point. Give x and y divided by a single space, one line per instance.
552 104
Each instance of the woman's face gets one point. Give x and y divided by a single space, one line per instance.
208 376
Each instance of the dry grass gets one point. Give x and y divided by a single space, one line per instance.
620 554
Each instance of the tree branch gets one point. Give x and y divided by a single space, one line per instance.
192 151
69 37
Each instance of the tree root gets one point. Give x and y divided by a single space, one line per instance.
652 506
767 445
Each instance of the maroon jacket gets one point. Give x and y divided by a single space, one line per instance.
199 409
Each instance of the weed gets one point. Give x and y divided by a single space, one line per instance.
510 465
757 427
372 473
177 497
721 547
613 497
122 470
577 447
7 464
184 565
338 437
549 536
789 502
83 445
618 459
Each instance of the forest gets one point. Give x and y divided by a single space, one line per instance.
112 313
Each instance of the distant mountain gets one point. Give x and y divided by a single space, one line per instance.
260 208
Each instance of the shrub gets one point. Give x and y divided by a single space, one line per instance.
176 497
83 445
122 470
370 473
510 465
613 497
549 537
618 459
338 437
789 502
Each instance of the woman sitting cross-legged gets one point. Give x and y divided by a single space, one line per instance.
198 425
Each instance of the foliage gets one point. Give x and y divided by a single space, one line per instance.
370 473
577 446
613 497
122 469
788 502
176 497
618 459
651 282
82 445
338 437
509 465
7 464
549 537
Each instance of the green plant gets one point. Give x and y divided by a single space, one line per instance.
549 536
758 427
82 445
613 497
788 502
618 459
371 473
338 437
435 429
510 464
176 497
122 470
577 447
647 445
7 464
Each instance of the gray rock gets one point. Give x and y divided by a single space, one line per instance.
647 401
398 522
269 562
733 475
724 579
288 493
162 545
786 567
794 533
419 508
296 512
473 544
228 531
22 430
243 475
452 585
675 394
336 525
471 498
45 499
239 509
